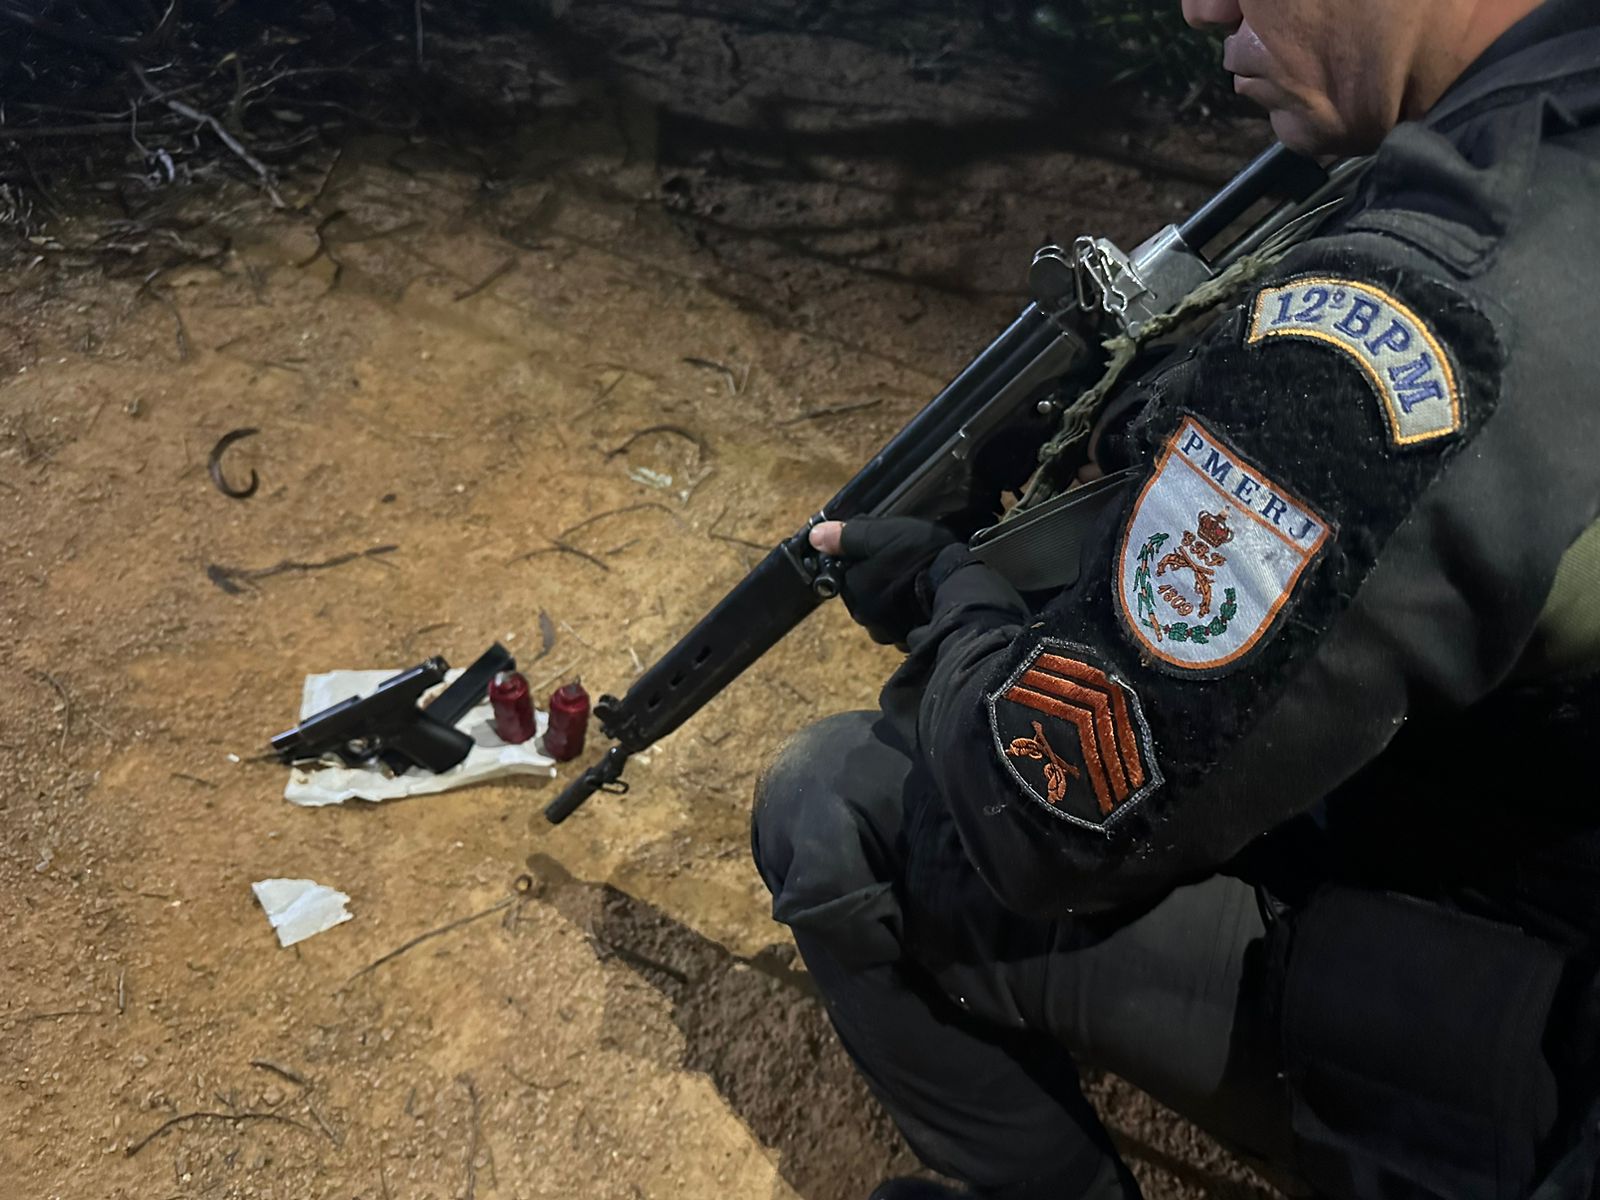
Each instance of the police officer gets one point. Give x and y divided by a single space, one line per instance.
1286 811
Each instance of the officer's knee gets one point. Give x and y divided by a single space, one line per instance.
826 819
792 794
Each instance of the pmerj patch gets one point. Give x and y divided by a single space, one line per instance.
1211 554
1073 736
1408 367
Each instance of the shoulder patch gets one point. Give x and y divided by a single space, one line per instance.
1073 736
1408 367
1211 554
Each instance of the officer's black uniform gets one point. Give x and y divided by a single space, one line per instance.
1286 812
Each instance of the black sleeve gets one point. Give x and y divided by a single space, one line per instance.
1333 532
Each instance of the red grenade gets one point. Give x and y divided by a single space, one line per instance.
513 708
569 721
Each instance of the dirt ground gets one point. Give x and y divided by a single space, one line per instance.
782 245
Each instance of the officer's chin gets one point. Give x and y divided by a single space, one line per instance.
1318 138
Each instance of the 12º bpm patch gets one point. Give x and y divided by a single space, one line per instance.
1211 553
1409 369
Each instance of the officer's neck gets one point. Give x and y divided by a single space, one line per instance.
1465 29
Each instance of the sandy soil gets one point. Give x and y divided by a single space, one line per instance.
449 350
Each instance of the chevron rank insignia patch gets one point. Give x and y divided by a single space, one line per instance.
1074 737
1408 368
1210 555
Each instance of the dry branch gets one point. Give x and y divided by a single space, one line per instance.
281 1072
263 172
472 1144
230 578
694 439
564 548
185 1118
66 705
430 934
214 465
567 533
835 410
488 280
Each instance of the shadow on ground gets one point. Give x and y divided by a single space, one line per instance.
756 1027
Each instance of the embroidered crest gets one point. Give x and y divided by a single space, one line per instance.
1211 554
1074 736
1408 367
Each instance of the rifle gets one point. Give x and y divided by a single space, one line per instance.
975 440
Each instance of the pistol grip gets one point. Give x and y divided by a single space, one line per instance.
432 744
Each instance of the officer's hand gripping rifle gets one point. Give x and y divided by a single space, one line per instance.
975 439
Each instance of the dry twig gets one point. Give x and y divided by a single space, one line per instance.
185 1118
430 934
229 579
734 381
488 280
552 676
731 538
737 541
559 547
148 288
214 465
66 705
581 641
261 170
835 410
281 1072
472 1143
322 1124
702 452
566 534
533 1085
324 250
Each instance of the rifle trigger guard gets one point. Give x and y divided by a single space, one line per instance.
617 787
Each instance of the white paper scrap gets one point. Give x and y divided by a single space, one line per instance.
299 908
489 758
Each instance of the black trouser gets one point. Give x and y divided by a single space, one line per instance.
1413 1036
961 1014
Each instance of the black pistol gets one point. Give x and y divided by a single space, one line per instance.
386 723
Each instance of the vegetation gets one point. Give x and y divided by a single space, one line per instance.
141 94
1145 41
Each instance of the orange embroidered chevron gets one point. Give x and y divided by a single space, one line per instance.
1088 700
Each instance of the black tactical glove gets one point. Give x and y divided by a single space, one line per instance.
885 558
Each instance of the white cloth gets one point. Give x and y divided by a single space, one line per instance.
299 908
